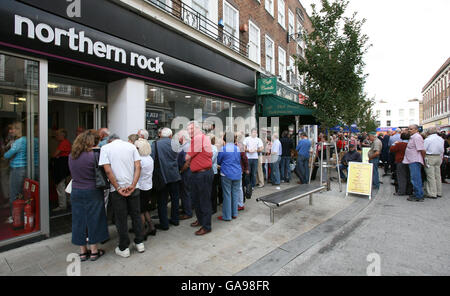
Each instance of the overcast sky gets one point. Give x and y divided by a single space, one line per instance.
411 41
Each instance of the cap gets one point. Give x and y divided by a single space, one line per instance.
373 133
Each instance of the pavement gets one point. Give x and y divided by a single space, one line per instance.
406 238
331 237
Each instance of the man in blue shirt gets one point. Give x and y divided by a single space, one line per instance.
303 148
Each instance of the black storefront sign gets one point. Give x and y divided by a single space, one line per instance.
40 33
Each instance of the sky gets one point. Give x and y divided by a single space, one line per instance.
410 42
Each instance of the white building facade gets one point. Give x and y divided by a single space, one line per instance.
396 114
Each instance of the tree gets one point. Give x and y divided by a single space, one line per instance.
334 65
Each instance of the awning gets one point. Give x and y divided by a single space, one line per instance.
275 106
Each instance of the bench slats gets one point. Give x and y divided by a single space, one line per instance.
291 194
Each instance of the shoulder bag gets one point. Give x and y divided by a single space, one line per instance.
101 180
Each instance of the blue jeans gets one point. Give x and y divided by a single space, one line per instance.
303 168
341 170
275 167
285 168
231 192
416 178
16 179
253 164
375 177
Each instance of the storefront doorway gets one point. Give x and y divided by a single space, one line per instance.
73 107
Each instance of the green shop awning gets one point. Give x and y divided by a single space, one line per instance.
273 106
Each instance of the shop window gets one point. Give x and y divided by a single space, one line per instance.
180 105
19 146
65 87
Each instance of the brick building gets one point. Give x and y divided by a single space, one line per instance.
436 98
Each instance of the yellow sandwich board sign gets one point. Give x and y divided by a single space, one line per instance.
359 179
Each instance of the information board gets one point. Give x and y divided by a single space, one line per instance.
359 179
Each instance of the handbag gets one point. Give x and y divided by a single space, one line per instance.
69 188
157 178
101 180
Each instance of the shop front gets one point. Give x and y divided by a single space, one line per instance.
276 100
60 77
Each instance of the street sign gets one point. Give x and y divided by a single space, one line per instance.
267 86
359 179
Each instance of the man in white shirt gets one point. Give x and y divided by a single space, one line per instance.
276 152
253 146
122 165
434 146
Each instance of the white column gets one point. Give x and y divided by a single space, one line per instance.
126 107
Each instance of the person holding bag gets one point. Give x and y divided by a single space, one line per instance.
88 211
167 178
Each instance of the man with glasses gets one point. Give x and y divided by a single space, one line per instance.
414 158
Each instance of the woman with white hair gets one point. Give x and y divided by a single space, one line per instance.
145 185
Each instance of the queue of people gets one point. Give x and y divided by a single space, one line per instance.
203 171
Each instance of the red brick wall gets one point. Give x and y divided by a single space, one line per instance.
256 12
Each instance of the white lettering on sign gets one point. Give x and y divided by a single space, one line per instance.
83 44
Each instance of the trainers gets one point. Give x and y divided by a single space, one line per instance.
140 247
125 253
59 209
278 188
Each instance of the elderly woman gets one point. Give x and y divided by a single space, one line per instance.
88 210
145 185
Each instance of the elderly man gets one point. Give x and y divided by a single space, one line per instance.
374 158
414 158
351 156
199 160
434 146
165 152
122 165
143 134
104 136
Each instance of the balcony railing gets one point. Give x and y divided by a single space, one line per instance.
196 20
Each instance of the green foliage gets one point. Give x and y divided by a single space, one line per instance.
334 66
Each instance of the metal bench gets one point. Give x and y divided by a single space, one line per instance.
277 199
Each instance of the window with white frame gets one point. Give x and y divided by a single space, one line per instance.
282 13
291 71
231 25
254 50
201 7
388 112
269 6
291 21
282 63
401 112
163 4
299 27
412 112
270 53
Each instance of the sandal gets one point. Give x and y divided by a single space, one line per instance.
85 256
95 256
